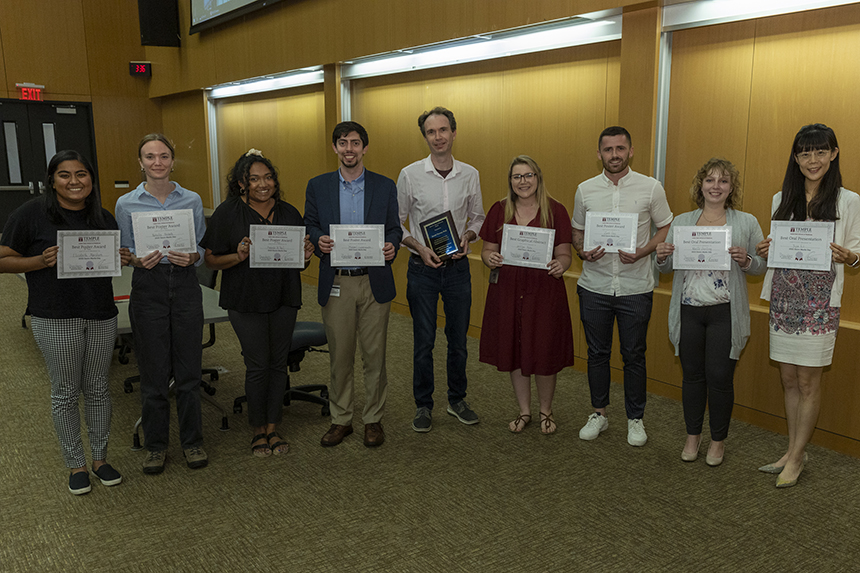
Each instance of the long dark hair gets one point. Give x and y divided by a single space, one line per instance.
92 204
241 172
823 206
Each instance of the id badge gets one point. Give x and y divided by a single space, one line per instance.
335 290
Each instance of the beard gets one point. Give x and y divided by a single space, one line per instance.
617 168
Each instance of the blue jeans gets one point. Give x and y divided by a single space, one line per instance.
166 313
598 313
423 287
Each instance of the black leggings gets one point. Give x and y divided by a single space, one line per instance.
705 348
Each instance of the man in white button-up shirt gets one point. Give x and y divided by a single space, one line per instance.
427 189
618 286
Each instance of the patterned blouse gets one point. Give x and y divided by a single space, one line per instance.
705 288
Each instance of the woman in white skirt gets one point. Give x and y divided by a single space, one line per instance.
804 304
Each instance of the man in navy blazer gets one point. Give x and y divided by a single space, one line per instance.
355 300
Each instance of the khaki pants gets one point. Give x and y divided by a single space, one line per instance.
355 315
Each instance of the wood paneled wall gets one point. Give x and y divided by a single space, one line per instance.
47 48
293 35
551 106
80 52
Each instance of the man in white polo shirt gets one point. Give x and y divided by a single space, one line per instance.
426 189
618 286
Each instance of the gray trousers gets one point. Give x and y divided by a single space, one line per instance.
77 354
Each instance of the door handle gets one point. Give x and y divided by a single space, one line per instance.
17 188
41 188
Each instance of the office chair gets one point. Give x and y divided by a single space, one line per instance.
307 336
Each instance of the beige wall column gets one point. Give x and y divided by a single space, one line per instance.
331 89
637 106
186 123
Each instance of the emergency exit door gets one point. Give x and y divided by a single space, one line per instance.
30 134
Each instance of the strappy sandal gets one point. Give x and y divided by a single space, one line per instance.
547 424
260 450
280 447
524 419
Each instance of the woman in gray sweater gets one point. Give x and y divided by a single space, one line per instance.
709 317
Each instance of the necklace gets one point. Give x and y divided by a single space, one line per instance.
717 220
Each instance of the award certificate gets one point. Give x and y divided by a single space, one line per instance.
278 246
88 254
527 246
801 245
440 234
612 231
702 248
357 245
164 231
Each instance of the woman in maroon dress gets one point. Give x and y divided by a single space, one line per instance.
526 329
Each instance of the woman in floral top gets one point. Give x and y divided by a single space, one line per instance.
804 304
709 315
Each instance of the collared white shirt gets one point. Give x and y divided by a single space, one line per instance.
635 193
139 199
422 193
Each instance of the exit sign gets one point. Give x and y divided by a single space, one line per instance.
30 92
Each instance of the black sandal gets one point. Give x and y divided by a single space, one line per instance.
260 450
274 447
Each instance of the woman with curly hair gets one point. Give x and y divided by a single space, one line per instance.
262 302
709 313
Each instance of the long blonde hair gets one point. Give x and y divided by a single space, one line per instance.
542 194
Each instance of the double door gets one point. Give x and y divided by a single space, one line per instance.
30 134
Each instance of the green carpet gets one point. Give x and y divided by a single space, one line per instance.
460 498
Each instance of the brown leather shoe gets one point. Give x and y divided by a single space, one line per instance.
335 435
373 435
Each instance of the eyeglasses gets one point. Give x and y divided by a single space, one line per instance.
819 154
527 176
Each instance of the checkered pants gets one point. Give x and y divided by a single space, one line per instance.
78 353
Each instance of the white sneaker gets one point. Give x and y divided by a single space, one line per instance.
596 423
636 435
